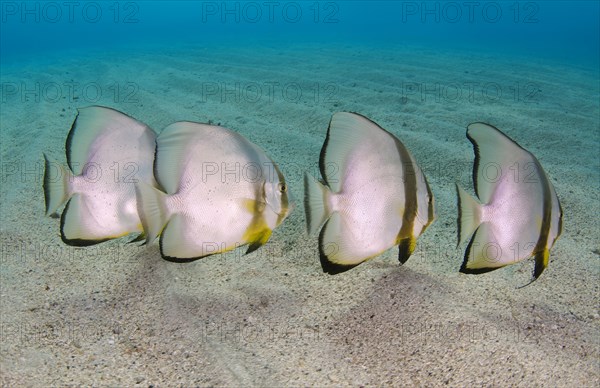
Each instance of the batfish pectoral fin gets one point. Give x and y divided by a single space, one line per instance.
258 233
172 149
258 243
406 248
253 206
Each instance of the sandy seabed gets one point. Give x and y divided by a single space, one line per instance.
117 314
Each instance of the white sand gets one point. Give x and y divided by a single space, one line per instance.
117 314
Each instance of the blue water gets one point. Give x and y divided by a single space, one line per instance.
275 71
566 31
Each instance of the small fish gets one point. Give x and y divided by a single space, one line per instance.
107 151
516 214
373 195
219 192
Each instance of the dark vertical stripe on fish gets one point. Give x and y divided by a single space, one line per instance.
323 154
409 171
284 196
69 142
542 242
430 214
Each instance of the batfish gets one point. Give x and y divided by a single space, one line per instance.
218 191
107 152
373 195
516 214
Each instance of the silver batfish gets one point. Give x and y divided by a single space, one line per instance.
107 152
373 195
517 214
219 192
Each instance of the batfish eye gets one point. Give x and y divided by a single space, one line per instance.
282 187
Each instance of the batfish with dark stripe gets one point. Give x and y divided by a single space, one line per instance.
517 214
372 196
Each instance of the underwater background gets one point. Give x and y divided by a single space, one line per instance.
118 314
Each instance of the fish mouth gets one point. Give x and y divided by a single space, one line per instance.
290 201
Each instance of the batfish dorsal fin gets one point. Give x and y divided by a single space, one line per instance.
345 133
171 152
91 124
495 153
175 148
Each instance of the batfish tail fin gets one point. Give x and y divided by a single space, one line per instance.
152 210
56 185
316 199
469 214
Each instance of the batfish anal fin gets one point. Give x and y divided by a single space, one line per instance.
73 224
325 250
